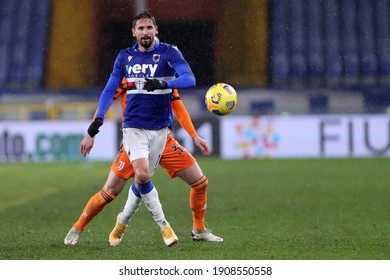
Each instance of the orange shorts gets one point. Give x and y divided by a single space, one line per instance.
175 158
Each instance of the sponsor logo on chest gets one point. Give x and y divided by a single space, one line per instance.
136 69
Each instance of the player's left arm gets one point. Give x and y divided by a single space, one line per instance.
185 77
185 121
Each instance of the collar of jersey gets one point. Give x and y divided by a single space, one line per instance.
156 46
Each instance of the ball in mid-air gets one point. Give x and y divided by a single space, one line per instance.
221 99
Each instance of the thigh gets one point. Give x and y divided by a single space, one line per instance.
145 144
175 157
136 143
122 166
157 144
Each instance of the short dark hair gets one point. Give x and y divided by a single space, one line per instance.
146 14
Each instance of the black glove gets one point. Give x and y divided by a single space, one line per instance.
94 127
153 84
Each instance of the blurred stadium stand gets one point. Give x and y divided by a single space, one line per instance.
369 60
24 26
322 56
332 53
316 63
382 10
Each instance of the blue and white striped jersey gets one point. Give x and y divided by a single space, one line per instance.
148 110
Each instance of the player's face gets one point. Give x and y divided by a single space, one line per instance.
145 31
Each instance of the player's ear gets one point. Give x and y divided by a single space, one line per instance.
133 32
156 29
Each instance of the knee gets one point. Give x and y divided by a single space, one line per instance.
142 176
112 190
201 185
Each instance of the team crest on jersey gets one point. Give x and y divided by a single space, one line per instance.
156 58
139 85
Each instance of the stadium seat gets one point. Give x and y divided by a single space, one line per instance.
332 43
377 99
7 10
262 107
368 64
298 49
279 63
20 42
383 34
40 15
23 43
38 115
349 29
315 49
318 104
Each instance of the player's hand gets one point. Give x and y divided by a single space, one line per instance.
94 127
86 145
153 84
202 145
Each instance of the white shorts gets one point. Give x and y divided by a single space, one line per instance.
144 143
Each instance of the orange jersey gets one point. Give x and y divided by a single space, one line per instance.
175 157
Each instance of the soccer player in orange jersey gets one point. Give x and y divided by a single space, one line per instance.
175 160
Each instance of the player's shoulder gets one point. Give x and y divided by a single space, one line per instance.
126 52
166 46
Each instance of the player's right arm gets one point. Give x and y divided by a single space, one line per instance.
111 86
107 95
87 143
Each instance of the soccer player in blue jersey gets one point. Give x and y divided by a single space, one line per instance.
152 69
175 160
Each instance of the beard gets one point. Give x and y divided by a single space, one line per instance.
146 42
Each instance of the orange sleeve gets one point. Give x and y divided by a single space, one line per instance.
121 93
182 114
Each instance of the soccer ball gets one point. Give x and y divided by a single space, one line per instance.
221 99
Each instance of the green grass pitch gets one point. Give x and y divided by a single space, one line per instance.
295 209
